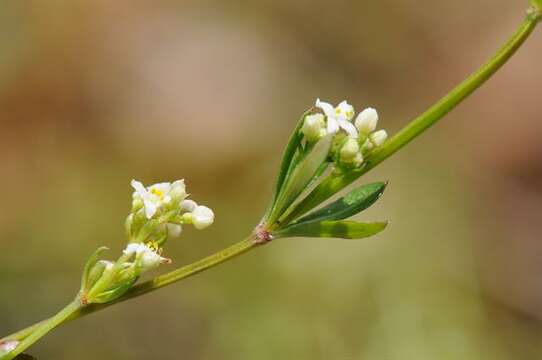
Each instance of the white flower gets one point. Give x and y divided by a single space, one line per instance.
158 195
338 117
314 127
378 137
366 121
344 111
147 257
202 217
349 150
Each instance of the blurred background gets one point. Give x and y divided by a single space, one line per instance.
95 93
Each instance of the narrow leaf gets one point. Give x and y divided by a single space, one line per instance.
354 202
301 176
333 229
289 152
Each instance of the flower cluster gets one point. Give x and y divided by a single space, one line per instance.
160 210
158 213
352 140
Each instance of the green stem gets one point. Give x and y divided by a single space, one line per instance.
43 329
336 182
151 285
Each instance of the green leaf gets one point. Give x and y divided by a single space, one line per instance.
92 260
354 202
293 143
302 175
332 229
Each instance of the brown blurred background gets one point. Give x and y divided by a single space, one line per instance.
95 93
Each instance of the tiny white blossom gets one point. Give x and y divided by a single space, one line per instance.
158 195
202 217
314 127
338 117
344 111
149 258
378 137
134 248
367 120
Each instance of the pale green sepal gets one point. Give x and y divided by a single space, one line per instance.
91 262
116 292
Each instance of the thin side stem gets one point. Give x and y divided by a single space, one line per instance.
43 329
336 182
151 285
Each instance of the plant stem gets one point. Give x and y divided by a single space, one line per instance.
151 285
43 329
336 182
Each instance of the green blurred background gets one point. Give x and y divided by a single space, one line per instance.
95 93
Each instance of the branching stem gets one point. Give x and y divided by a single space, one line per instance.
331 185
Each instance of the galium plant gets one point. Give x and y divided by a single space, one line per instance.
328 150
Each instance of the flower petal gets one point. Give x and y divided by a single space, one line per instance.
344 111
150 208
133 248
326 107
139 188
348 127
188 205
332 125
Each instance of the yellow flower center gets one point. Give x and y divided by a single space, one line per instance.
158 193
154 247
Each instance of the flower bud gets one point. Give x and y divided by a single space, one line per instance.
188 205
313 127
378 137
358 160
97 271
366 121
349 150
202 217
174 230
